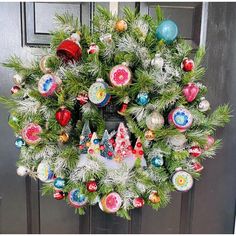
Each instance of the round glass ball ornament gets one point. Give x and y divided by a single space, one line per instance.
177 141
19 142
15 89
149 135
182 180
154 121
204 105
59 183
59 195
157 161
138 202
18 79
142 99
44 172
22 171
121 26
167 31
76 198
31 133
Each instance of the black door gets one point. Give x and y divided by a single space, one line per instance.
208 208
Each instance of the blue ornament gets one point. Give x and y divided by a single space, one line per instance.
96 141
77 199
167 31
19 142
157 161
47 84
142 98
59 183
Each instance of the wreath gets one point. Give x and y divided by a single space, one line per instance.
136 66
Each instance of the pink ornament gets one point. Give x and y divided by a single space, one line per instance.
120 75
187 65
15 89
195 151
210 142
82 98
197 166
93 48
190 91
31 133
138 202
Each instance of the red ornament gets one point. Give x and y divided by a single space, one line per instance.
139 144
82 98
134 151
187 65
110 153
63 116
210 142
197 166
15 89
195 151
190 91
58 195
93 48
138 202
69 50
90 135
81 147
92 186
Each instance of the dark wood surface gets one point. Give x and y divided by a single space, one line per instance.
208 208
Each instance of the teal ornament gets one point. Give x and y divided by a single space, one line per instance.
59 183
96 141
167 31
157 161
19 142
142 99
77 199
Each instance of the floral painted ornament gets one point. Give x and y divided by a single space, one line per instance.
44 172
76 198
31 133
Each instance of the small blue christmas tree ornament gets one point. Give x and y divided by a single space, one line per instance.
85 137
106 147
167 31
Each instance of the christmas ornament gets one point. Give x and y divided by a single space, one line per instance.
59 195
19 142
154 197
59 183
195 151
123 146
63 137
106 146
92 186
93 48
31 133
124 106
142 99
22 171
94 149
48 85
157 61
63 116
121 26
187 64
157 161
82 98
149 135
197 166
18 79
138 202
15 89
76 198
106 38
190 91
181 118
177 141
120 75
69 49
43 64
182 180
44 172
76 37
138 149
154 121
97 93
111 203
204 105
85 138
210 142
167 31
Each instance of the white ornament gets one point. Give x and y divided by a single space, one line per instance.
154 121
18 79
204 105
106 38
177 141
75 37
22 171
157 61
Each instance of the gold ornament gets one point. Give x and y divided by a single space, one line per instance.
149 135
87 144
154 121
121 26
64 137
43 64
154 197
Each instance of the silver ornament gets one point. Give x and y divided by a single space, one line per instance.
204 105
177 141
18 79
22 171
106 38
154 121
157 61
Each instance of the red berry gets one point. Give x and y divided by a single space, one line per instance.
111 141
139 144
102 147
81 147
90 135
141 152
123 143
109 153
91 151
130 147
134 151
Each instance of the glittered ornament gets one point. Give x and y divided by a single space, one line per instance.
124 106
44 172
59 195
154 197
76 198
94 149
18 79
43 64
106 38
48 85
154 121
182 180
204 105
149 135
210 142
92 186
93 48
190 91
19 142
142 99
121 26
59 183
111 203
138 202
195 151
167 31
15 89
23 171
63 137
177 141
31 133
82 98
187 64
157 61
63 116
138 149
157 161
197 166
120 75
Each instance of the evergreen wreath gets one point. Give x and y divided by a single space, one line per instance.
138 64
